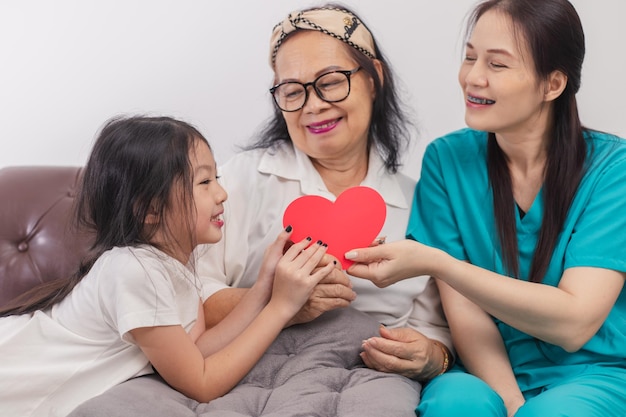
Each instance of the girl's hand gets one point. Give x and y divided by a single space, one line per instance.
272 255
297 274
333 291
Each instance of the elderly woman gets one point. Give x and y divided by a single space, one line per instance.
338 123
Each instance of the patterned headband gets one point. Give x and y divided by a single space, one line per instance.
338 23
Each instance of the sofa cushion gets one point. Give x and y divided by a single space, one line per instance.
310 370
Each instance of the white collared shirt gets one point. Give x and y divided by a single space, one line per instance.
261 184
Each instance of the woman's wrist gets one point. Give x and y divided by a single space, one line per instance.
445 356
438 362
437 260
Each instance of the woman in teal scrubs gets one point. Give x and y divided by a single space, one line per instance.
522 220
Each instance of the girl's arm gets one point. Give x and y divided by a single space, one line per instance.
479 345
247 304
567 315
250 303
334 291
181 362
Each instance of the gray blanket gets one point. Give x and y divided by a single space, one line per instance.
310 370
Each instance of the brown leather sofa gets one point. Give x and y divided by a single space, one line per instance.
37 243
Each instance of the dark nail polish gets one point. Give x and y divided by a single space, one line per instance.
335 262
319 242
308 238
288 229
325 245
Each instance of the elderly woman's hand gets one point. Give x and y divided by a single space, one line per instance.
405 351
334 291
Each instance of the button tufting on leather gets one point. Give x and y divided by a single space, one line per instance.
22 247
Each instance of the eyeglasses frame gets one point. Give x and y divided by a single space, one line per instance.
347 73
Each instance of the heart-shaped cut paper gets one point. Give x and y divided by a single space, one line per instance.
352 221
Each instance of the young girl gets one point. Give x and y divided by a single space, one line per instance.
150 193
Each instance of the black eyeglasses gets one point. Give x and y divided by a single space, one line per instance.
331 87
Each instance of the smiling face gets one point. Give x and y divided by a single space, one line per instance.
208 195
203 220
325 131
502 93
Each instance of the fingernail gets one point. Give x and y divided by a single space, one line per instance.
351 254
335 262
288 229
325 245
308 238
319 242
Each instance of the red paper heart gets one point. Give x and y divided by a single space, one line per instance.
352 221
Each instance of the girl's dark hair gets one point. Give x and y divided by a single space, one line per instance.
554 35
131 173
389 128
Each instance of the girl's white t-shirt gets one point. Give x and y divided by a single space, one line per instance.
53 360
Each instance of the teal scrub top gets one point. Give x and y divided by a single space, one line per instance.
453 211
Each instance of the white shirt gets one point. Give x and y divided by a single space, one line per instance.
262 183
54 360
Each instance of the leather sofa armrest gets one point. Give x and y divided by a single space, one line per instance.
37 243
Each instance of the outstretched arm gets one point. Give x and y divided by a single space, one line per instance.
567 315
238 307
181 362
334 291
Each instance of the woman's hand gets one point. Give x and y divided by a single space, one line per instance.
389 263
403 351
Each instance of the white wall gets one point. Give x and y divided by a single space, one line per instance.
66 66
